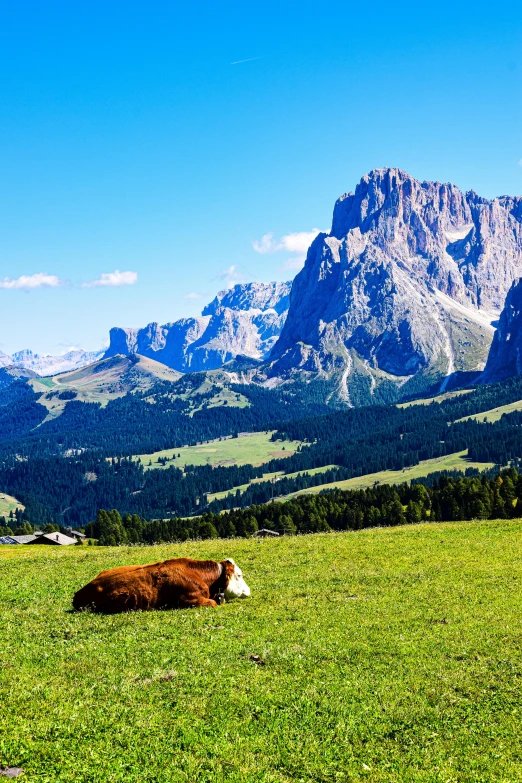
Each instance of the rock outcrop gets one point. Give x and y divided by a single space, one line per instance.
403 291
505 356
245 320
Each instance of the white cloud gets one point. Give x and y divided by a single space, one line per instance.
298 242
231 276
30 282
116 278
192 295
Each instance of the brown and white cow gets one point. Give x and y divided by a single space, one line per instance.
174 584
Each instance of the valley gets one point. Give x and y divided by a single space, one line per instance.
324 383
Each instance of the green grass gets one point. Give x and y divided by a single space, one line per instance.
438 398
456 461
390 656
252 449
223 396
266 477
7 504
495 413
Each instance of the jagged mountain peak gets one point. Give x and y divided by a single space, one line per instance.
244 320
403 289
252 296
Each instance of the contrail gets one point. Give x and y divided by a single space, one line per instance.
249 60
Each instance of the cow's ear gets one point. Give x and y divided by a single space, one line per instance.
229 560
230 567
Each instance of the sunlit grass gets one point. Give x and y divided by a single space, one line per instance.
388 655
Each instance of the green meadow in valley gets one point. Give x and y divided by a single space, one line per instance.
390 655
252 448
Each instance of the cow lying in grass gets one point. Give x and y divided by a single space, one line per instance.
173 584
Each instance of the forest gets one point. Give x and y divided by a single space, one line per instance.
69 490
447 499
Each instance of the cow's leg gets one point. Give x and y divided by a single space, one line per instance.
192 600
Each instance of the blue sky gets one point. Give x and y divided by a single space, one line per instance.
142 162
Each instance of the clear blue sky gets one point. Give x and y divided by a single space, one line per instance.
132 139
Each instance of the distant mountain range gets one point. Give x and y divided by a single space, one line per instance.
402 296
49 365
245 320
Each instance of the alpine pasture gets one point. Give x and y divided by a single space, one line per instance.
391 654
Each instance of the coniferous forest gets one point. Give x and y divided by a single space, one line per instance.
66 470
447 499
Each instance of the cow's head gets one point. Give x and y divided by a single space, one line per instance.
236 585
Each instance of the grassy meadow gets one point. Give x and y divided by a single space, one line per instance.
494 414
253 448
7 504
266 477
388 655
457 461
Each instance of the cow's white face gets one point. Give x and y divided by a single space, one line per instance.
237 587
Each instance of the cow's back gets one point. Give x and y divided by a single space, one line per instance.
151 586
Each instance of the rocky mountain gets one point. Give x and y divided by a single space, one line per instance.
245 320
403 292
505 356
49 365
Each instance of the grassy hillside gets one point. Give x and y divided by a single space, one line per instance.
250 449
439 398
7 504
495 413
101 382
390 655
457 461
265 477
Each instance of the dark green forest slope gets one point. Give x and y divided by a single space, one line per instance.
61 473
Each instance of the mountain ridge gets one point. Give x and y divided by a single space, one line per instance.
403 291
244 320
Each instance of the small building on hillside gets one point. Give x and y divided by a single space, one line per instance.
53 539
75 534
27 539
265 533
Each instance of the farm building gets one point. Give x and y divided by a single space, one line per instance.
75 534
28 539
53 539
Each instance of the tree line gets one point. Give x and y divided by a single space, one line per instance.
447 499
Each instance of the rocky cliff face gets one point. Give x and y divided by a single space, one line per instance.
505 356
403 290
245 320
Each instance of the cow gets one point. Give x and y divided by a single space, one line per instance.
180 583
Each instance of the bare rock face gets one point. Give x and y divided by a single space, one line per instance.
253 296
245 320
505 356
403 290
